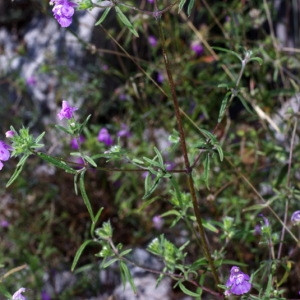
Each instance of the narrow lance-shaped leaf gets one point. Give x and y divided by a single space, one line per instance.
224 106
126 276
79 252
190 7
85 196
187 291
206 165
181 4
96 218
18 170
56 162
104 15
125 21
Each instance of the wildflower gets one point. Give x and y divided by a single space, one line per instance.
63 11
124 131
4 223
296 217
238 282
66 111
31 81
104 137
157 222
18 294
74 142
45 296
152 40
197 48
9 133
160 77
4 153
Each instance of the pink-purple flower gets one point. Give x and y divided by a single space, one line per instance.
10 133
152 40
63 12
66 111
158 222
4 153
296 217
74 142
124 131
18 294
197 48
104 137
238 282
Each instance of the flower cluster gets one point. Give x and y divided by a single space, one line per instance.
238 282
63 12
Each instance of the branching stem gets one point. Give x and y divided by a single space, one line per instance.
191 185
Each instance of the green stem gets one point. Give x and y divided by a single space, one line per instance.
191 185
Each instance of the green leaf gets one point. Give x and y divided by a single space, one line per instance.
224 106
229 51
258 59
187 291
56 162
4 292
208 134
125 21
257 206
152 162
90 161
209 226
63 129
126 276
85 196
220 151
181 4
206 165
39 137
190 7
18 170
159 156
79 252
96 218
152 188
107 263
103 17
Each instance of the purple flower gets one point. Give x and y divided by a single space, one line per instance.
74 143
238 282
197 48
4 153
266 221
152 40
160 77
66 111
63 11
18 294
150 1
45 296
9 133
296 217
31 81
157 222
104 137
124 131
4 224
